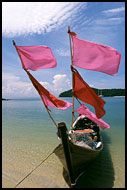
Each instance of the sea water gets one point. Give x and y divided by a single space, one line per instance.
29 136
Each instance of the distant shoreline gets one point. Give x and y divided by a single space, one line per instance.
38 99
100 92
118 96
5 99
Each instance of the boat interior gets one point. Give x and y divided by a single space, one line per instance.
85 133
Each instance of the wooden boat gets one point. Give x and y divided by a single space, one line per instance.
82 152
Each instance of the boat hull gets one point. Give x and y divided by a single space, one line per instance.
80 156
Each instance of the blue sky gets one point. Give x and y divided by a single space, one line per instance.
46 23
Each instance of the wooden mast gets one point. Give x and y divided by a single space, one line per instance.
72 76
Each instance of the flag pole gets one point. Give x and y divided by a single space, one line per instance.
35 87
72 76
17 50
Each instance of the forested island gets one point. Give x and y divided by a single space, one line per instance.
5 99
103 92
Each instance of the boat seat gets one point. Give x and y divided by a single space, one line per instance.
84 131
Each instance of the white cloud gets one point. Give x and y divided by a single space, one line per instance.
20 18
8 76
61 83
109 21
63 52
13 86
116 10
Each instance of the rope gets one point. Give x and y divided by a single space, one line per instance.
34 169
78 101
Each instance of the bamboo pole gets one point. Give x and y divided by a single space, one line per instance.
72 77
17 50
35 87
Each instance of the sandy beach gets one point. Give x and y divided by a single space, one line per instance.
101 173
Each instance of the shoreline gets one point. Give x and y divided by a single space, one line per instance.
34 98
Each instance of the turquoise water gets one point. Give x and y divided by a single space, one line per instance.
28 136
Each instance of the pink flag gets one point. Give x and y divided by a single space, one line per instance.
48 98
36 57
96 57
85 111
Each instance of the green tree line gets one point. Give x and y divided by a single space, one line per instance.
103 92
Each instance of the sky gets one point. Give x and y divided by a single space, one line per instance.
46 23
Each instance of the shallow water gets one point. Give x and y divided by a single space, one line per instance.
29 136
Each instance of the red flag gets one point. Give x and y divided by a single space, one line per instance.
48 98
96 57
36 57
83 92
